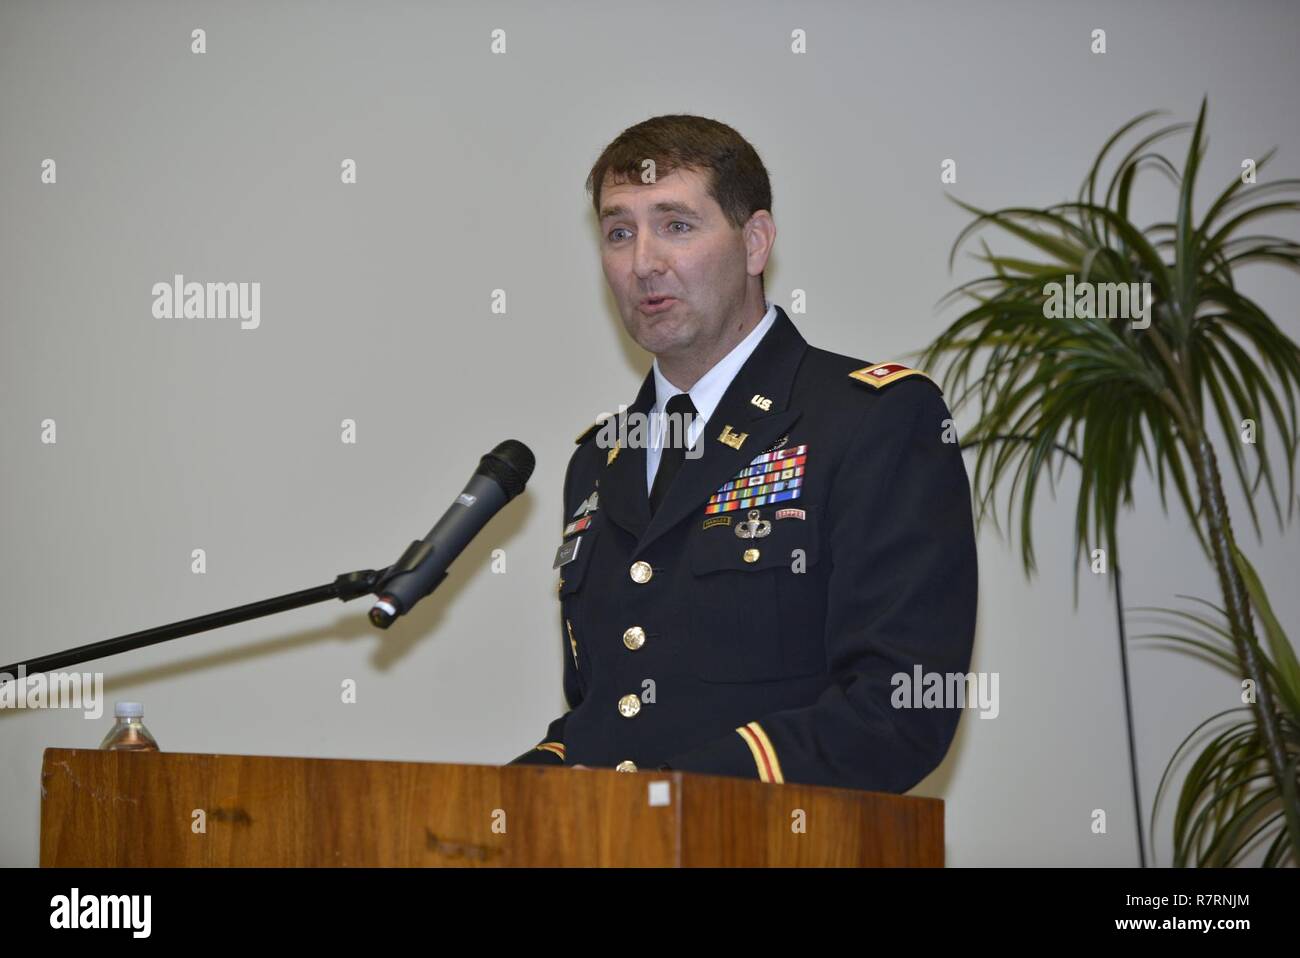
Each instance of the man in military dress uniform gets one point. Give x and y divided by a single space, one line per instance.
743 602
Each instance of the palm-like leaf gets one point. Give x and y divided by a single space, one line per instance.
1229 803
1112 393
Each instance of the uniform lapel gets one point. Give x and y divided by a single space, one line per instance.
622 486
767 374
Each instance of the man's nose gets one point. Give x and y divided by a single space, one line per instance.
647 255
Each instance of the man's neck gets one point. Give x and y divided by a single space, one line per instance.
685 371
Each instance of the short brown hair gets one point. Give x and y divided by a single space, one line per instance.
737 178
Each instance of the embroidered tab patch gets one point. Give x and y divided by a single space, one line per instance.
771 477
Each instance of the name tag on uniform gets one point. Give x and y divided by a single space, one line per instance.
567 552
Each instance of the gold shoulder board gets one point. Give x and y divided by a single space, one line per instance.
587 433
879 375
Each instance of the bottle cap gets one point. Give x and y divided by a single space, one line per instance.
128 710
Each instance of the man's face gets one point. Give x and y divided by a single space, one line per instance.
670 239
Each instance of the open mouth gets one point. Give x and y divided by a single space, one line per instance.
655 303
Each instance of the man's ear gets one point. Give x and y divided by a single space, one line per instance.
760 237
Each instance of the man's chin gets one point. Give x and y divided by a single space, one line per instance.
663 334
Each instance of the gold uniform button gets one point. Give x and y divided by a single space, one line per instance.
634 637
640 572
627 765
751 555
629 705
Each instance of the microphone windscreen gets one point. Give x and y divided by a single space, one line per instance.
510 465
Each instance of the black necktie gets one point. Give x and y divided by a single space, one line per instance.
671 457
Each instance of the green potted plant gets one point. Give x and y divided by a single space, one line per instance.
1051 371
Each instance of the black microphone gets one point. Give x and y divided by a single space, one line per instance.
501 475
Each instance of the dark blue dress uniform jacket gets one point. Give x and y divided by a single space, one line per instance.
776 665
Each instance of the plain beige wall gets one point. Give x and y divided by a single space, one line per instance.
182 434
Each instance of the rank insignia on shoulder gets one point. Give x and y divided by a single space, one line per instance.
590 430
882 374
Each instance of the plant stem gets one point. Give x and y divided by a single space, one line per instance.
1236 601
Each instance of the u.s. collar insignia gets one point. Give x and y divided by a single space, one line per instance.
613 454
882 374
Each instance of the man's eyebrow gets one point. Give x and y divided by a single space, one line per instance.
664 206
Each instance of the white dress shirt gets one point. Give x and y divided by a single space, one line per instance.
705 394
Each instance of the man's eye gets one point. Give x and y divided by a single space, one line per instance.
613 234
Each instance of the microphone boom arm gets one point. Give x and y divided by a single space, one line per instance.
345 587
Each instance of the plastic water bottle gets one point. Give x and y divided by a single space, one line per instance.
129 733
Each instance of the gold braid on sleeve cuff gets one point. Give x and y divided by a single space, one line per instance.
769 769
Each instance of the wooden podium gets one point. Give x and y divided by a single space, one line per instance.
121 809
